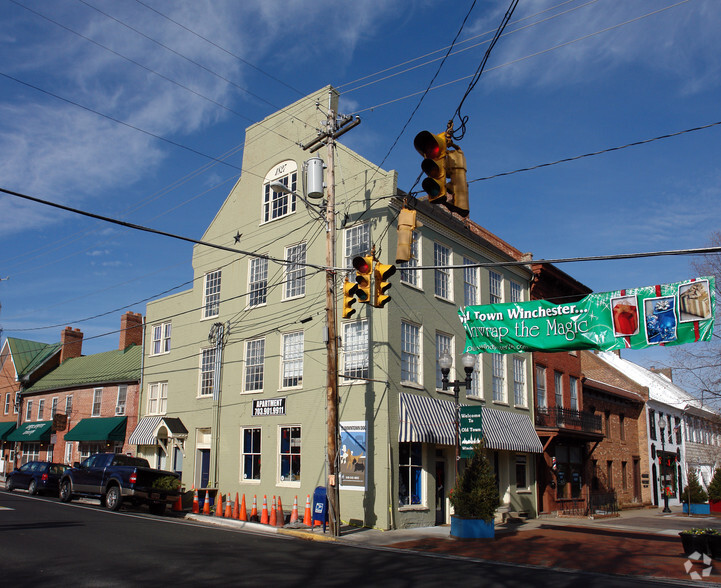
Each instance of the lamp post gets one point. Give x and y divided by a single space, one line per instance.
446 361
662 427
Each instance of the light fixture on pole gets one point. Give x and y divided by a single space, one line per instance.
445 361
662 428
281 188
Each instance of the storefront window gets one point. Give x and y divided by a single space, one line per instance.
410 468
569 471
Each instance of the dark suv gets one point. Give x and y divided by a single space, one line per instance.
36 477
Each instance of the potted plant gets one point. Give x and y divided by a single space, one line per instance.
694 497
713 542
714 491
694 541
474 499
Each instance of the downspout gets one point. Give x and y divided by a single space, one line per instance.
142 372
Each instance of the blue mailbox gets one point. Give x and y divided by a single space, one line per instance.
320 506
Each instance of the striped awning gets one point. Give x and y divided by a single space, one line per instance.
143 433
431 420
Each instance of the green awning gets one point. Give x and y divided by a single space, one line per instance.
6 429
39 431
98 429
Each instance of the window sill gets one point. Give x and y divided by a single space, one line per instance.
252 482
413 286
524 491
413 385
501 403
441 299
288 484
476 398
520 407
413 508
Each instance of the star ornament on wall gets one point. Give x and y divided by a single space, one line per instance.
237 237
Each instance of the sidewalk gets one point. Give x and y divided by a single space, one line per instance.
642 543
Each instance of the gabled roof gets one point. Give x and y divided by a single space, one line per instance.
29 355
602 376
110 367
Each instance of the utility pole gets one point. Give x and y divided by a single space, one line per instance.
217 337
333 130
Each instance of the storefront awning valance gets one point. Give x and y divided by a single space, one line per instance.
34 432
431 420
144 432
6 429
98 429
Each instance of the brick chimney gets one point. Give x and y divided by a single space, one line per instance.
72 343
131 329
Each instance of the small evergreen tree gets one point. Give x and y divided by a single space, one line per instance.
475 495
714 488
694 489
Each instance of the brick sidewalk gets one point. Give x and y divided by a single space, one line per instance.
604 551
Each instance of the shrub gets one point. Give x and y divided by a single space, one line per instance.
475 495
694 490
714 488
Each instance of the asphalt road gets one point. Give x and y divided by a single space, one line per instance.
45 542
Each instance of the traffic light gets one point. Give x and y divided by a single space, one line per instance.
349 291
363 266
381 273
406 226
458 185
433 149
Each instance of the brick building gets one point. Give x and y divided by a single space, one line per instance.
86 404
619 462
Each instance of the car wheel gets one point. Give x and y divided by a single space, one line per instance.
113 498
9 486
66 491
33 488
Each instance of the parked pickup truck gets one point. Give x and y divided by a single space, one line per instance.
114 478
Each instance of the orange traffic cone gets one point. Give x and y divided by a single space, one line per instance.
273 515
228 509
307 519
294 512
196 504
280 517
235 507
206 503
264 512
243 514
219 504
178 504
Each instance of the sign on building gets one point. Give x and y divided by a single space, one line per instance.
471 428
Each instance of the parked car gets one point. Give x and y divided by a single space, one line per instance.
36 477
115 477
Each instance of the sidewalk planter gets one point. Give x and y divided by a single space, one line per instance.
694 541
713 543
715 505
472 528
697 508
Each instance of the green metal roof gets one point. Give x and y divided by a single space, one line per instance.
36 431
5 429
28 355
120 365
98 429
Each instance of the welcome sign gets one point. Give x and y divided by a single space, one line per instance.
668 314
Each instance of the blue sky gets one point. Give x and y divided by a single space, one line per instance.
567 78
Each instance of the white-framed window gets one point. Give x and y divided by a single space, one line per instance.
521 472
292 360
161 339
477 378
7 403
289 454
410 475
357 242
69 405
519 381
407 275
495 282
68 452
410 353
207 371
211 294
516 292
158 398
31 452
558 384
16 403
470 283
355 350
295 257
53 407
41 409
574 393
97 402
28 409
121 401
444 344
257 281
541 387
443 275
254 365
499 378
277 204
250 453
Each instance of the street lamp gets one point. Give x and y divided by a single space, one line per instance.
446 361
281 188
662 427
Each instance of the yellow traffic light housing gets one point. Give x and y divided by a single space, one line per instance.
349 292
363 267
458 185
433 149
381 273
406 226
